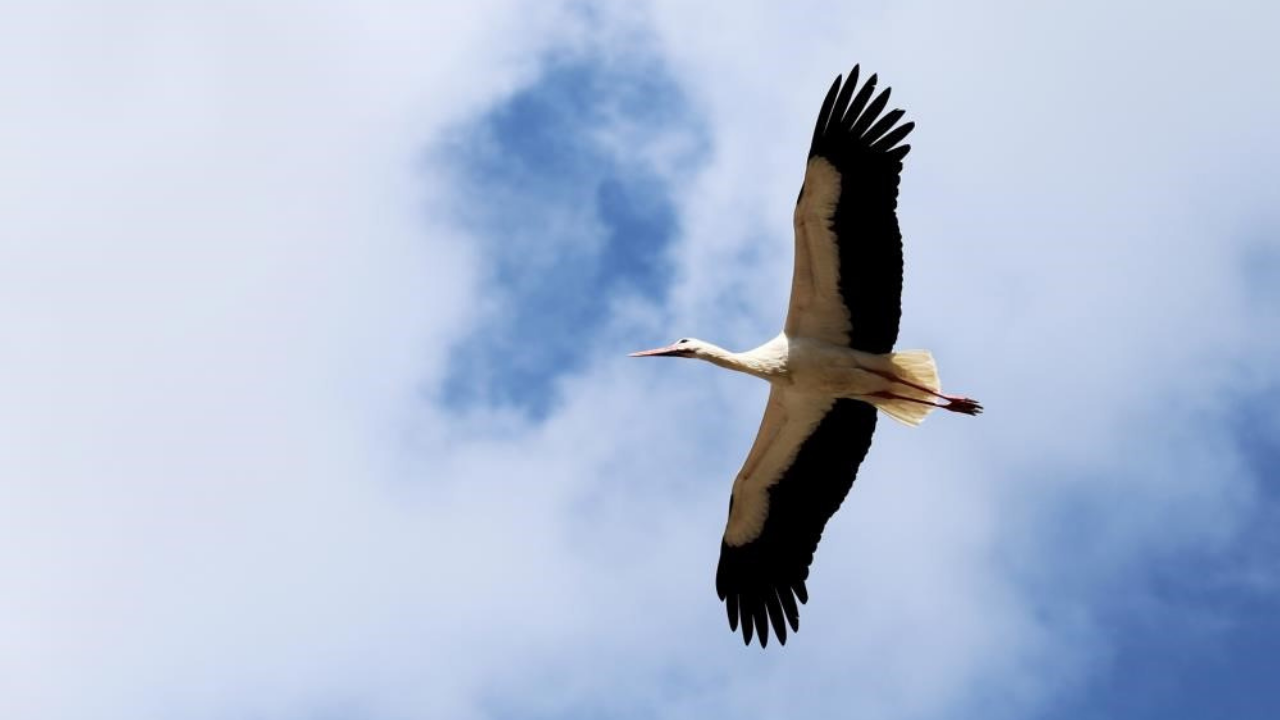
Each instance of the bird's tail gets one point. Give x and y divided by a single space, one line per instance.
916 367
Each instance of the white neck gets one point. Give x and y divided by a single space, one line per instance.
763 362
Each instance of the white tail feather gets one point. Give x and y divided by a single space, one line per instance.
915 366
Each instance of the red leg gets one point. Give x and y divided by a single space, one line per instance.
891 396
894 378
955 403
960 405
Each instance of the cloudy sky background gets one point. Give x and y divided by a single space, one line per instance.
315 400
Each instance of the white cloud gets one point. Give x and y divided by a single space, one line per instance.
217 284
220 300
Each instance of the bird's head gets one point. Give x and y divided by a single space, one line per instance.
684 347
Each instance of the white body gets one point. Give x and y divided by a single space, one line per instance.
823 371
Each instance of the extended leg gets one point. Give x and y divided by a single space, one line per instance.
955 403
960 405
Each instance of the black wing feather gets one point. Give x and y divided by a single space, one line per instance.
886 122
827 103
865 222
894 138
842 100
849 115
760 581
870 114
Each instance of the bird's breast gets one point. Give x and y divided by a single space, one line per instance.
823 368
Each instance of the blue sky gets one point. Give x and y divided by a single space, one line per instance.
1198 635
318 403
567 219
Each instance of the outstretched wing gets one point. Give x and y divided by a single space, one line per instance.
797 473
847 286
847 290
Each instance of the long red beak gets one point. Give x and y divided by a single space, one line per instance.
656 352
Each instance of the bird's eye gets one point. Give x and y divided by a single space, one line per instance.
682 341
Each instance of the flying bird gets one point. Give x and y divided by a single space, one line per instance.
830 369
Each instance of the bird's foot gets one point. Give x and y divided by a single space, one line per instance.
965 405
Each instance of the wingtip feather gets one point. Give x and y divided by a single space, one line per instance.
854 111
789 607
761 622
776 618
871 113
893 137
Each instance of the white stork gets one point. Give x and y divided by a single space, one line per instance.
829 369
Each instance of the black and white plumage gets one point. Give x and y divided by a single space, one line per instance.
830 369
